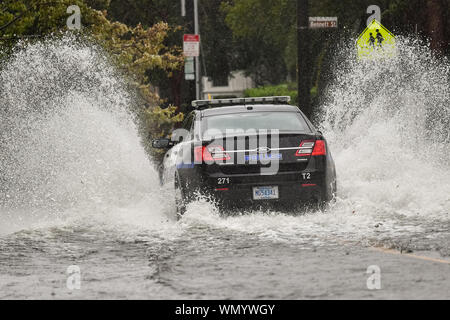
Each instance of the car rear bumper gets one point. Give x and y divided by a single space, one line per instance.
289 194
294 188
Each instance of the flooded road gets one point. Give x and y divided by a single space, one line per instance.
78 189
200 261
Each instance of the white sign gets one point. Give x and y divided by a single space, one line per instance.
191 45
323 22
189 72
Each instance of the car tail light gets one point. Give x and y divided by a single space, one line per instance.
311 148
319 148
210 154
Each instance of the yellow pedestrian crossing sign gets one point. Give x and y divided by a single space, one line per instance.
376 42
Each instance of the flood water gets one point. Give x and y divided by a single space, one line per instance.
78 189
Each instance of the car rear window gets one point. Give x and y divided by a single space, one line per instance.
283 121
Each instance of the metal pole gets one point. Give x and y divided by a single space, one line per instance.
197 60
183 8
303 58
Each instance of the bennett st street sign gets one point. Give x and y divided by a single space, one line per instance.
323 22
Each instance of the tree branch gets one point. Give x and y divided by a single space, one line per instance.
22 14
11 22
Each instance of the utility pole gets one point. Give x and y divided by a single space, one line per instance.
304 99
197 59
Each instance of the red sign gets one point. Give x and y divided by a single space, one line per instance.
191 38
191 45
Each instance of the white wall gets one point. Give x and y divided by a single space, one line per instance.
237 83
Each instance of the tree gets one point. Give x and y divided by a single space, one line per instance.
266 31
217 41
135 49
429 18
436 24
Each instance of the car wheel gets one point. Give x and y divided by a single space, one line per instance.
327 197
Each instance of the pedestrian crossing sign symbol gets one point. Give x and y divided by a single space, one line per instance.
376 42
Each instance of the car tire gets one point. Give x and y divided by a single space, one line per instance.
327 197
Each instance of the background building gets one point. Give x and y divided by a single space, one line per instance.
233 87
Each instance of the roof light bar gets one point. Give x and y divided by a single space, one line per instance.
203 104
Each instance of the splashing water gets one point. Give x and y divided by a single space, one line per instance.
78 187
388 125
69 143
70 147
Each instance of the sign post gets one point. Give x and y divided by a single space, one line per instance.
197 60
191 50
191 46
304 69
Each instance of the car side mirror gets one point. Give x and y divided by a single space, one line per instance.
162 143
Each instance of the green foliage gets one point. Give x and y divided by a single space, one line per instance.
257 36
164 120
219 47
39 17
161 123
267 32
265 20
285 89
148 13
137 50
268 28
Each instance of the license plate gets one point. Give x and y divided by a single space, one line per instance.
265 193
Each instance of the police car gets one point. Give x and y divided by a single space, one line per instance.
248 152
